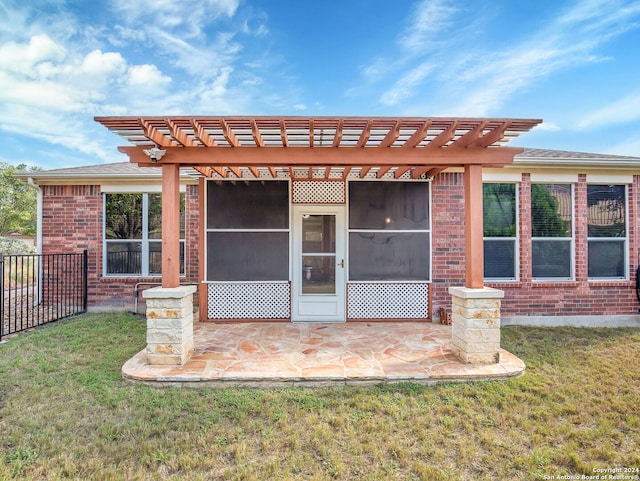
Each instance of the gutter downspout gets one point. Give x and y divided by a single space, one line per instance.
38 215
39 210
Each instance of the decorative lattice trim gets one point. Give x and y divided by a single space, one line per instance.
270 300
310 192
388 301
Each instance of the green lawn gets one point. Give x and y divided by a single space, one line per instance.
65 413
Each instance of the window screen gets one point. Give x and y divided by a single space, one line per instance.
500 230
607 231
552 231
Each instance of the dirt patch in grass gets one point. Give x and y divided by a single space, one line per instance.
65 413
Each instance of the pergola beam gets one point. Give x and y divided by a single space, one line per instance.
326 156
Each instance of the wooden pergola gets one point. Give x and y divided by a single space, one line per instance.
318 148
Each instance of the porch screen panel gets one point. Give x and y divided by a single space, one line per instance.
388 257
389 231
248 256
247 231
250 205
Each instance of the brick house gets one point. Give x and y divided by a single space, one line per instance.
319 238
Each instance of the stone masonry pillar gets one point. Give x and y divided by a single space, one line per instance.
475 324
169 324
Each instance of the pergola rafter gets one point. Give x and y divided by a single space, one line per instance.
321 148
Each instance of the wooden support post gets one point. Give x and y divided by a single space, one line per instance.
474 242
170 225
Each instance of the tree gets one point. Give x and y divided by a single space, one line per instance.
545 218
17 201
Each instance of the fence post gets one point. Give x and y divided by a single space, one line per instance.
85 270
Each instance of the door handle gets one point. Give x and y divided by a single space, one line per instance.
342 263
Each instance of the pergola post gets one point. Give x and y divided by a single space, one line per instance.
474 243
170 225
475 310
170 307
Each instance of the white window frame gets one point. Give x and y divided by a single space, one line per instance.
625 240
515 239
572 239
144 241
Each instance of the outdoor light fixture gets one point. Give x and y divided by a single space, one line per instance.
155 154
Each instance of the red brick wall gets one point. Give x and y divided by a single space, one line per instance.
447 212
580 297
73 221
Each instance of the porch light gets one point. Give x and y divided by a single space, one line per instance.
155 154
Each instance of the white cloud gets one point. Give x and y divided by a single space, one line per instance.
567 42
405 87
146 75
189 17
626 109
429 19
97 63
25 58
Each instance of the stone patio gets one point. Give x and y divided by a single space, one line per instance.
283 354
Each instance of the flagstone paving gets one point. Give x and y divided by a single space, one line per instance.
279 354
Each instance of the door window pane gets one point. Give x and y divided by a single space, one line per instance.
318 274
318 233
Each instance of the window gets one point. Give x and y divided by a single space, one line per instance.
607 231
248 231
552 231
389 231
500 231
133 234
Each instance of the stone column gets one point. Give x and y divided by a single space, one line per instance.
169 324
475 326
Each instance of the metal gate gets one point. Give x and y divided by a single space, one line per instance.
36 289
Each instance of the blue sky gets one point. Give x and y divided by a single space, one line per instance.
573 63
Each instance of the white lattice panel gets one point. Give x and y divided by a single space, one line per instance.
388 301
310 192
269 300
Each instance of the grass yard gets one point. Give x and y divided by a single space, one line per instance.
65 413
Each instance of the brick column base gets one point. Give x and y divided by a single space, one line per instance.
169 324
475 326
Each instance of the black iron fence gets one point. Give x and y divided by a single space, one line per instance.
36 289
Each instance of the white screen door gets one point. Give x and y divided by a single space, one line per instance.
318 264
